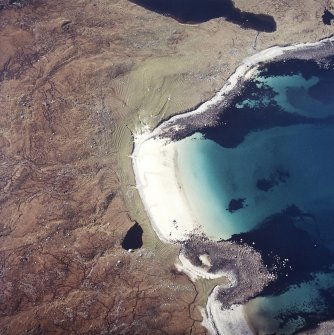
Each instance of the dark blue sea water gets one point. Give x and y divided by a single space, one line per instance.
265 177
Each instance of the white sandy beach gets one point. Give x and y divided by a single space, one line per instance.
166 204
226 322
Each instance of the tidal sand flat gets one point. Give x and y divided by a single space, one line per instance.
254 168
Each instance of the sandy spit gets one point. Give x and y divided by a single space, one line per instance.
196 272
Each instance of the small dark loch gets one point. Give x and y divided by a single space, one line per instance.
327 17
133 238
199 11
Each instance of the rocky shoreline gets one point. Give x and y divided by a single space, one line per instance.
248 275
189 122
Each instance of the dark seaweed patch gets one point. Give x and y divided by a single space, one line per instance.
287 249
275 178
236 124
235 205
240 118
323 91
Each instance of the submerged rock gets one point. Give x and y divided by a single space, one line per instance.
236 204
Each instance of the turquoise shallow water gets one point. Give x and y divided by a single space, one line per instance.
218 175
265 177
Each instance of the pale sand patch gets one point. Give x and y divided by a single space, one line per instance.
230 321
157 183
205 259
196 272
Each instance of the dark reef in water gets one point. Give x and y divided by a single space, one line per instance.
275 178
295 256
288 249
236 204
235 123
322 91
198 11
133 238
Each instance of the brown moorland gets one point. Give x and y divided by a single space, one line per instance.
77 78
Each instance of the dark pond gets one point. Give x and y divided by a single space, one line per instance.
198 11
133 238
